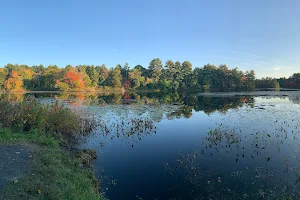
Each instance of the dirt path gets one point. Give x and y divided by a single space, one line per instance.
14 162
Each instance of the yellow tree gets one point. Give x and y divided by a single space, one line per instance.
13 82
27 75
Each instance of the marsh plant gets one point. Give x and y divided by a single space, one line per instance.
29 116
130 130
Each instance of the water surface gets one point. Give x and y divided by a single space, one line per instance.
193 146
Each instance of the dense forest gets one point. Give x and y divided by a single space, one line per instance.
157 76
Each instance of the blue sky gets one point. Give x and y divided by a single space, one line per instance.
263 35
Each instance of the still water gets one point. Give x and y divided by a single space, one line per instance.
192 146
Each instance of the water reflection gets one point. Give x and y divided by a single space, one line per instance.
244 163
186 101
191 146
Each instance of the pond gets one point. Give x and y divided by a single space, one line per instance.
193 146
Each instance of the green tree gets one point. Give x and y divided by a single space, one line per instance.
296 79
135 78
168 74
236 79
249 80
39 69
51 75
155 67
275 84
115 78
93 75
170 65
9 67
103 75
27 75
143 70
187 72
119 67
172 76
125 71
3 74
178 75
165 81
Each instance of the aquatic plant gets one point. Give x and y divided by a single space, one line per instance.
131 130
55 119
247 180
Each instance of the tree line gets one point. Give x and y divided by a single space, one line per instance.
157 76
293 82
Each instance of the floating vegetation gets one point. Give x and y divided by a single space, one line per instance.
128 130
256 179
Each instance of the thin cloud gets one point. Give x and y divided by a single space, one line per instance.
276 69
230 57
240 52
244 63
258 62
233 58
227 57
275 60
250 63
253 55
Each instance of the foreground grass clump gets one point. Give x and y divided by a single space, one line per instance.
32 117
55 171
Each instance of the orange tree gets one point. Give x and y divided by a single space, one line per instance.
72 80
13 82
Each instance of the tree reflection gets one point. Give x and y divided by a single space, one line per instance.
186 102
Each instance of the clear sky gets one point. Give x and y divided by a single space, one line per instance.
263 35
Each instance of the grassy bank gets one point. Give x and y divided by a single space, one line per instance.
55 171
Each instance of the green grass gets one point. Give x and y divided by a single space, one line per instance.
7 136
54 174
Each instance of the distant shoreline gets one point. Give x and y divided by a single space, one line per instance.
150 91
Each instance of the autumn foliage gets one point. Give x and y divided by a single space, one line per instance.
157 76
127 84
71 80
13 82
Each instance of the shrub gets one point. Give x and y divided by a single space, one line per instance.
31 116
